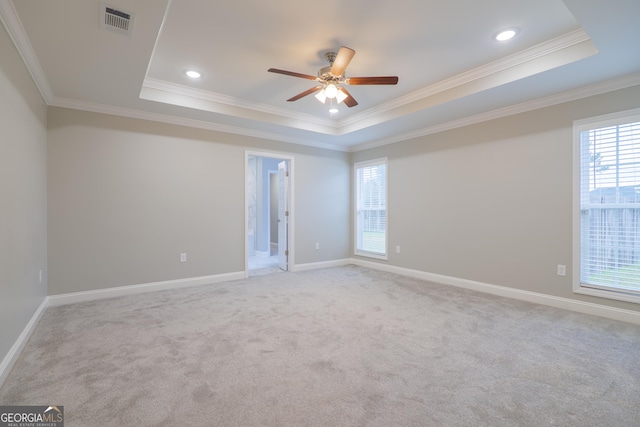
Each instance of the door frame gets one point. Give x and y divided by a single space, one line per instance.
271 173
291 234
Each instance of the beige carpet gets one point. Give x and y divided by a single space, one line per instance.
335 347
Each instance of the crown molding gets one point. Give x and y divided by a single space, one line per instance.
184 96
522 57
181 121
216 102
548 101
11 21
219 98
568 41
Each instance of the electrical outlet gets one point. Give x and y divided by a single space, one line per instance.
562 270
398 249
317 245
183 257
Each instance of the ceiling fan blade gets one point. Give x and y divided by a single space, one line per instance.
305 93
349 101
291 73
383 80
342 60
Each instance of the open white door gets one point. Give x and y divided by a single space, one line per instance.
283 216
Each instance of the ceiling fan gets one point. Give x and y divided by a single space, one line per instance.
332 79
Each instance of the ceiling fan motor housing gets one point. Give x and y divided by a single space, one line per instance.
325 74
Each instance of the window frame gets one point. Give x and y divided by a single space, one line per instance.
579 126
358 165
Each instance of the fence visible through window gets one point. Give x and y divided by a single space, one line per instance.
371 208
610 207
374 223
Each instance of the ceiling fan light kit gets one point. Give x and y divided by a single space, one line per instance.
331 91
321 96
341 96
332 79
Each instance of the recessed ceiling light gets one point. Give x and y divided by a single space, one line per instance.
506 35
193 74
333 110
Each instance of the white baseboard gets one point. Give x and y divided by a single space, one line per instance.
70 298
263 254
534 297
623 315
322 264
13 354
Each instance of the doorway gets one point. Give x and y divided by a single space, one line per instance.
268 213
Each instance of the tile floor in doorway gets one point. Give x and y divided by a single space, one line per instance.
259 265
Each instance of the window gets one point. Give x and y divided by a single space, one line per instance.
371 208
608 152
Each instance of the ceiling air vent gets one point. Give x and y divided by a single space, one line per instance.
116 19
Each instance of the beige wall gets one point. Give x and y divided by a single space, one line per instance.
23 199
127 196
492 202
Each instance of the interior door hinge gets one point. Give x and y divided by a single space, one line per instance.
286 253
286 213
286 173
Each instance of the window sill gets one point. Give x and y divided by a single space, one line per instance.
371 255
609 294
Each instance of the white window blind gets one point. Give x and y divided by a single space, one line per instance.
610 208
371 208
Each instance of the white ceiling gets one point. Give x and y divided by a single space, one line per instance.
451 71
